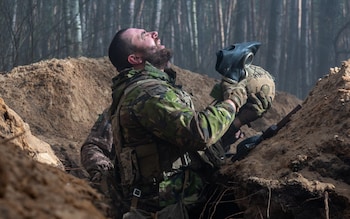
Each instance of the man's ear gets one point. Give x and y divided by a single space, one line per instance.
134 59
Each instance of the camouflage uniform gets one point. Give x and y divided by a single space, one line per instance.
157 134
166 150
96 151
97 157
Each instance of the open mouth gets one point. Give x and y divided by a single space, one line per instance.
159 45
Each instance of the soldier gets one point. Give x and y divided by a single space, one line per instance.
166 152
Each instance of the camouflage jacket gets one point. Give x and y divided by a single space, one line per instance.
157 124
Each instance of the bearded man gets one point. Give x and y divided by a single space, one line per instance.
164 158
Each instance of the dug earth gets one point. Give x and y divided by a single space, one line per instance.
47 110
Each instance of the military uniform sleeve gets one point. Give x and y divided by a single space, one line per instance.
163 112
97 150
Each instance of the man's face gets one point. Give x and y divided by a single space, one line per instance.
143 40
148 46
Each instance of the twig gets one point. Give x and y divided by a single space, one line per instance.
260 214
310 199
218 202
206 204
233 215
268 204
326 207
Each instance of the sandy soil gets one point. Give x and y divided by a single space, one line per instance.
47 109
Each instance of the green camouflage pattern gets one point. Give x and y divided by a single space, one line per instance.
163 113
167 112
170 190
156 113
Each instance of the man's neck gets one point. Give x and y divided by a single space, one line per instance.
142 66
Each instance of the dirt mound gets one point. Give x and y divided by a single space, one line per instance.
60 100
29 189
304 170
292 175
59 97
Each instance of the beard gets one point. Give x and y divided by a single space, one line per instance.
158 58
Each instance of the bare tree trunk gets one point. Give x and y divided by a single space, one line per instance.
14 45
68 27
195 35
275 36
138 17
221 24
29 46
119 14
14 16
190 48
189 22
251 19
291 51
158 14
45 13
305 79
76 28
230 8
132 12
241 21
329 11
178 38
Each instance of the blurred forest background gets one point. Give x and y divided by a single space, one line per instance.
301 39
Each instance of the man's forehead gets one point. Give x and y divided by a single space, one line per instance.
133 32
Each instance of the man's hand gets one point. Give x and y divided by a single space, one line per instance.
235 91
101 180
257 104
96 177
102 166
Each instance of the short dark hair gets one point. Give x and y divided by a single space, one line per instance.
119 50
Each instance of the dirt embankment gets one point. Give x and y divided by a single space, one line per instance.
294 173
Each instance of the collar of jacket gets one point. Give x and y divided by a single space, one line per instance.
149 71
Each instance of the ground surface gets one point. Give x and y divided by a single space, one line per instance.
47 109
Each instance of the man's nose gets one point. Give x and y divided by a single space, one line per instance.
154 34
